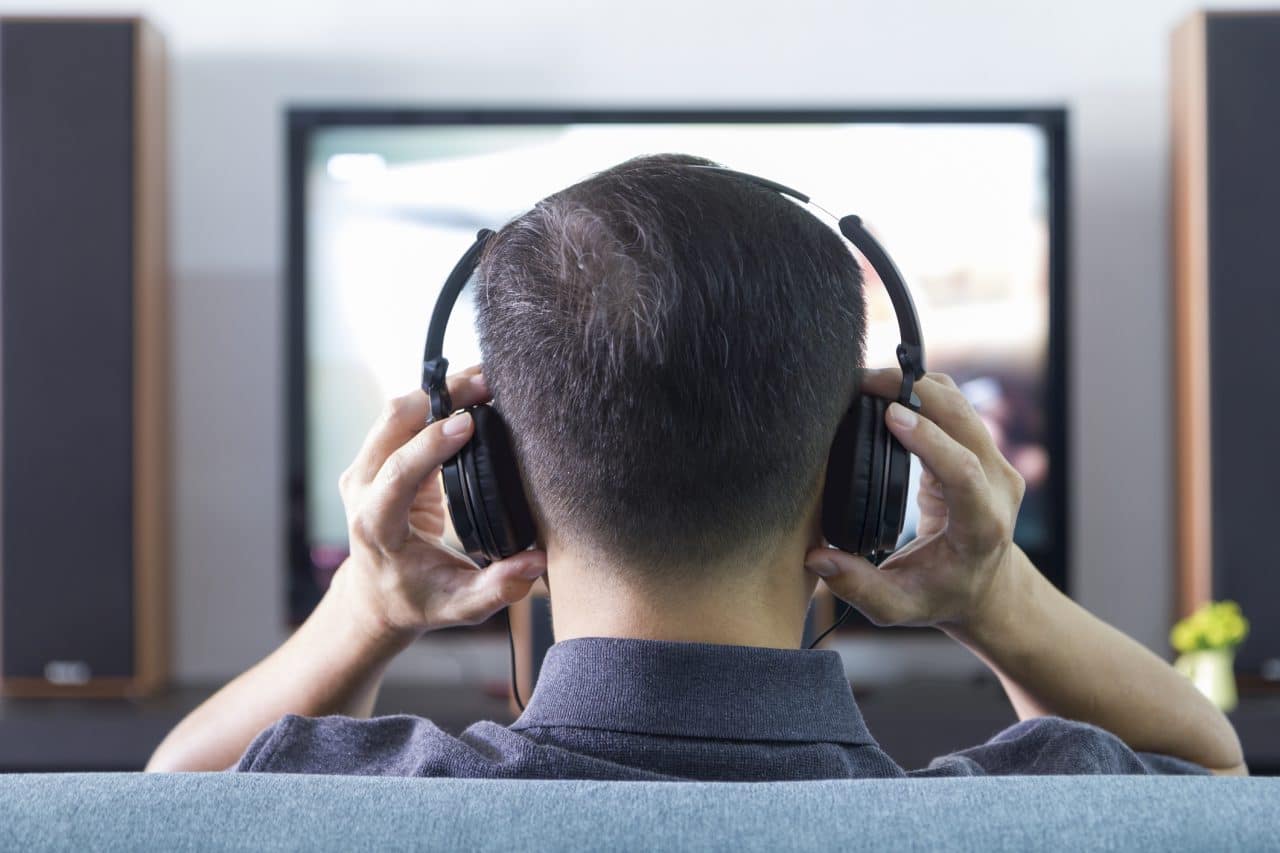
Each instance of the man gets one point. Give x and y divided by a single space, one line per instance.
672 349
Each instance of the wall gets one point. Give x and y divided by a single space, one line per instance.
235 64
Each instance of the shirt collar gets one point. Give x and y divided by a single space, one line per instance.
696 690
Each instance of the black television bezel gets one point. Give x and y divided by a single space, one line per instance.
303 121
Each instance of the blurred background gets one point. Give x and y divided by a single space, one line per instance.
234 69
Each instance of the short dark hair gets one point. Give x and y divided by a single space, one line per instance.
672 349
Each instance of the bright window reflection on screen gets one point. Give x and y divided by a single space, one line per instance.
962 209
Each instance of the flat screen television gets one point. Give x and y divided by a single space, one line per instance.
971 203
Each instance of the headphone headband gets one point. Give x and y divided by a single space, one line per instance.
435 367
911 347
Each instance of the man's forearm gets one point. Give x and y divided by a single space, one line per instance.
1056 658
333 664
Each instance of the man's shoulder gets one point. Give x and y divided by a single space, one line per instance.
395 745
1052 746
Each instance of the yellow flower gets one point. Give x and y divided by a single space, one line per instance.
1216 625
1216 636
1235 626
1183 637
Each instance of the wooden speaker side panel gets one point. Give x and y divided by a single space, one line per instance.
1193 523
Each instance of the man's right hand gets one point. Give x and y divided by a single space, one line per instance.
963 563
401 579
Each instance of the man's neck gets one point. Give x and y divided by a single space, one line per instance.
757 602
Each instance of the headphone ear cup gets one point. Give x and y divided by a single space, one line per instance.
851 494
873 512
893 510
455 492
493 491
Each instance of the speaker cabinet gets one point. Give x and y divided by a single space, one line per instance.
83 429
1226 261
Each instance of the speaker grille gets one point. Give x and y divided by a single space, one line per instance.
1242 55
66 332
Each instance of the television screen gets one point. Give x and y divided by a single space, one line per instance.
384 202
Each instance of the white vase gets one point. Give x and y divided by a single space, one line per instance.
1213 673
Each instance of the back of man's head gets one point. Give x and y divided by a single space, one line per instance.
672 349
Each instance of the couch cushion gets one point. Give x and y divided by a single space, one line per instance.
280 812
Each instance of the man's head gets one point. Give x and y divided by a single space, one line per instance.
672 349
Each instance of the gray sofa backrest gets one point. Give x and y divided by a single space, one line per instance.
266 812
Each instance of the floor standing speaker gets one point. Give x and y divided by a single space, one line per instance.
82 358
1226 223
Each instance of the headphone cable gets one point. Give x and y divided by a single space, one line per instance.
876 559
511 644
844 614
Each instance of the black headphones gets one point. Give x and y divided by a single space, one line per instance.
868 471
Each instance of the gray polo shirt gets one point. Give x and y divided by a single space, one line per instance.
646 710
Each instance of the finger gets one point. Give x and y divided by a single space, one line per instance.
484 592
430 494
929 483
880 382
931 505
887 381
932 519
404 417
426 517
385 511
875 593
400 420
959 472
468 388
944 404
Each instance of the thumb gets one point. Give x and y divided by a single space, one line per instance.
873 591
503 583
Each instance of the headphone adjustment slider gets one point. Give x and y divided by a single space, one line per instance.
909 359
434 373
